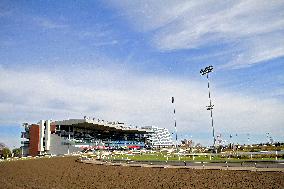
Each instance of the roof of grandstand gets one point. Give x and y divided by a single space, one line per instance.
97 124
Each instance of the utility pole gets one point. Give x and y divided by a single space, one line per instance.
206 72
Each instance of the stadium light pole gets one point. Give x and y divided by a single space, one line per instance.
206 72
175 121
248 138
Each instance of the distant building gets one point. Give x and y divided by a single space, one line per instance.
158 137
70 136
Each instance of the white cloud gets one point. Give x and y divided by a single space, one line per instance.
115 94
49 24
100 36
253 29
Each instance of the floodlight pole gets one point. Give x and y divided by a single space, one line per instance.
248 138
206 72
210 107
175 121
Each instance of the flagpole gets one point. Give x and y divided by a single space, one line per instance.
175 121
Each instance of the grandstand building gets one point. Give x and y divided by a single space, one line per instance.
158 137
70 136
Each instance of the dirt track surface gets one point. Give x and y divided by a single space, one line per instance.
66 173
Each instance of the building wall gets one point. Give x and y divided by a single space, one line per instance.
159 136
34 140
58 145
52 128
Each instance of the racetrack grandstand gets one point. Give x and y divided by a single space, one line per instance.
73 135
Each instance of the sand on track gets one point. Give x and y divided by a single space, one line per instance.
65 172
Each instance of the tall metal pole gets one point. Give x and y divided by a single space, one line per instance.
248 138
267 137
175 121
210 107
206 72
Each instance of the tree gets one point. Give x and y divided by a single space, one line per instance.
17 152
6 153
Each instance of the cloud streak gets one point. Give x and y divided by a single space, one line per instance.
253 29
49 24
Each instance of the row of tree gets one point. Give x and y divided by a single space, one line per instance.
5 152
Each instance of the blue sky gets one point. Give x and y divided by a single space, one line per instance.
124 60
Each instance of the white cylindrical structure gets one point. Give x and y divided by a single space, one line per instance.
47 135
41 135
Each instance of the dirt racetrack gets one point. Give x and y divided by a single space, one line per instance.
66 173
